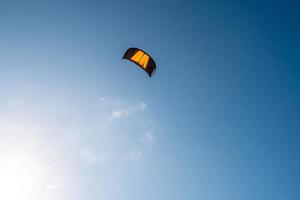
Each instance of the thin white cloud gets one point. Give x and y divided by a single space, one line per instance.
120 113
112 101
134 155
103 98
140 106
89 157
120 108
125 111
148 137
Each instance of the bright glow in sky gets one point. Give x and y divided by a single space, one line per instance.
29 168
218 120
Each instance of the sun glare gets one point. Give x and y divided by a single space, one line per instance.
27 171
20 178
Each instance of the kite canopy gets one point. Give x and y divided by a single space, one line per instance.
142 59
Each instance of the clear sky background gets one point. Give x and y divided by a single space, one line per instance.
220 118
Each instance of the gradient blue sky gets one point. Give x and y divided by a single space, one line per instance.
220 119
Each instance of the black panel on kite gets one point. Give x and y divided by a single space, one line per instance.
142 59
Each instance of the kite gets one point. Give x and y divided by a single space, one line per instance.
141 59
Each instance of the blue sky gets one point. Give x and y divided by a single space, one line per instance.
218 120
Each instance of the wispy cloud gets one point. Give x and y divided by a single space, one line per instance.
134 155
120 113
90 157
103 98
120 108
112 101
148 137
135 111
127 110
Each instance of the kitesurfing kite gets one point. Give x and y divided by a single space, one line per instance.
141 59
